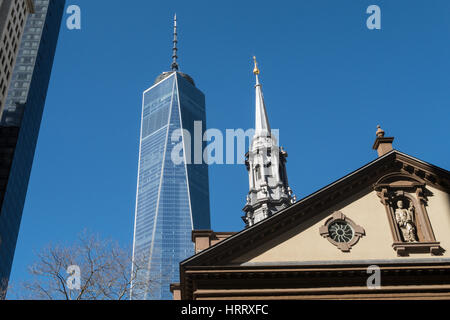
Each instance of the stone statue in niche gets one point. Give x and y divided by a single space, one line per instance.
405 220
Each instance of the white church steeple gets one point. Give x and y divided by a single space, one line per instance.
266 164
262 126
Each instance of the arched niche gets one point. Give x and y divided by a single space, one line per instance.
412 191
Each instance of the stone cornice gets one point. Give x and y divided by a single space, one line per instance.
396 276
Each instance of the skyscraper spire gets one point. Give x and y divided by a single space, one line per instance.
262 126
174 67
175 42
266 164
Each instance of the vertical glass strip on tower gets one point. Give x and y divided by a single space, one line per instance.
172 199
21 120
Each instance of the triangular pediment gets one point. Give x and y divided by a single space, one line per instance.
298 234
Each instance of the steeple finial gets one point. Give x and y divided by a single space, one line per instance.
256 70
175 48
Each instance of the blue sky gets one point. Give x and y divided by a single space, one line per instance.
327 80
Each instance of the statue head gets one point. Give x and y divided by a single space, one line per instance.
400 204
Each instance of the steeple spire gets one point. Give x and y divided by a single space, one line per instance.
266 164
262 126
175 43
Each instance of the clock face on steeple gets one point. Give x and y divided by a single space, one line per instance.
340 231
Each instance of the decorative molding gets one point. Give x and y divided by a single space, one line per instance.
396 189
358 231
404 248
336 281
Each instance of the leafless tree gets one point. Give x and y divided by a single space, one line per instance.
106 272
3 288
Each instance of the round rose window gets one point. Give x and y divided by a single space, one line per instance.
341 231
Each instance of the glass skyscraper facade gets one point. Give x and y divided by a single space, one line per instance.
21 120
172 198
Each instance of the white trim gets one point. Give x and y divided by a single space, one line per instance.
155 132
137 192
156 84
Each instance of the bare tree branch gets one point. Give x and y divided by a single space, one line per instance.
108 272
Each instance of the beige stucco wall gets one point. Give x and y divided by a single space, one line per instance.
439 212
304 243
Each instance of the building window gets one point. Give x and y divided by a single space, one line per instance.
341 231
258 172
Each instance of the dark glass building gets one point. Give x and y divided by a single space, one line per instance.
172 196
21 120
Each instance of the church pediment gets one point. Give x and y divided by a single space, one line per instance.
357 218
